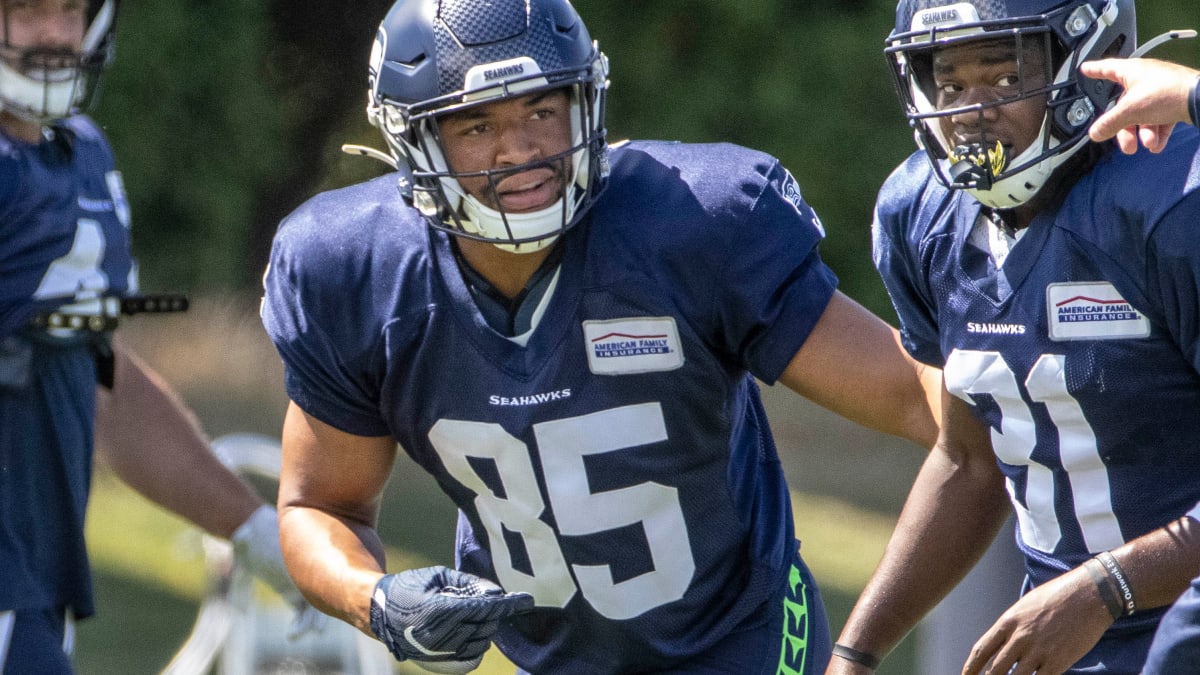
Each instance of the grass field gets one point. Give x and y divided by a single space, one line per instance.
847 483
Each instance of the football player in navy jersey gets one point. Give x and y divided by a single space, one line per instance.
65 267
1157 96
1055 280
566 335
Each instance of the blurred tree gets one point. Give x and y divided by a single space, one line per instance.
195 130
317 64
220 112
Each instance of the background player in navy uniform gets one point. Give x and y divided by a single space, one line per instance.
1055 280
64 228
575 367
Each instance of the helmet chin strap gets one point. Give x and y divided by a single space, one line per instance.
33 100
490 223
550 221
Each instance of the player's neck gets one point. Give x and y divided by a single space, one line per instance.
1020 217
20 129
507 272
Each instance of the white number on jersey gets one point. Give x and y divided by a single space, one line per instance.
77 274
985 372
562 446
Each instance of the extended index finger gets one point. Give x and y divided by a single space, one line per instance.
1113 70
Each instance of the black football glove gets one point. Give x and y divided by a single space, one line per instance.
443 619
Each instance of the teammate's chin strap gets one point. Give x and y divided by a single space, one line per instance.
1180 34
1186 33
365 151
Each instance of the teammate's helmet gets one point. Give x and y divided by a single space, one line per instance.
433 57
40 85
1067 32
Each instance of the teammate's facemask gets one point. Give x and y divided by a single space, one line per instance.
1049 39
436 57
40 85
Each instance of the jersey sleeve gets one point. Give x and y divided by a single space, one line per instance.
895 243
773 285
327 365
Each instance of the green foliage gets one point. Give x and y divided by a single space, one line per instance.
194 125
226 114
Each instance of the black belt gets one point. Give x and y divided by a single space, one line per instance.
110 310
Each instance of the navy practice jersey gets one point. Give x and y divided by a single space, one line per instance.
65 231
618 466
1081 353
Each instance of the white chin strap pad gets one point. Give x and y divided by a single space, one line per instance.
489 223
36 100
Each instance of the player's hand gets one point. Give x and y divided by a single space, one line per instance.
1154 100
1046 631
256 546
443 619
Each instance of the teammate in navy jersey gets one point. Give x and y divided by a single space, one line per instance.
566 335
65 266
1055 280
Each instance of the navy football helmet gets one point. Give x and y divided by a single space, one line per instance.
1065 32
434 57
41 84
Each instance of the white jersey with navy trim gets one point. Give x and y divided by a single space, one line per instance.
618 466
1082 352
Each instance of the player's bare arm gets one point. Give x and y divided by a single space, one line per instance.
854 365
954 510
139 418
327 510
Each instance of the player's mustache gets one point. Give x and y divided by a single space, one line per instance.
48 64
558 165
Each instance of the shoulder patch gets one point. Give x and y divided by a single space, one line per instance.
791 192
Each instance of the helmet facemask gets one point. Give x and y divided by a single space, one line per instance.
1048 49
413 138
40 85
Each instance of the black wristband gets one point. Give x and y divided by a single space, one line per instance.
853 655
1108 595
1124 590
1194 103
